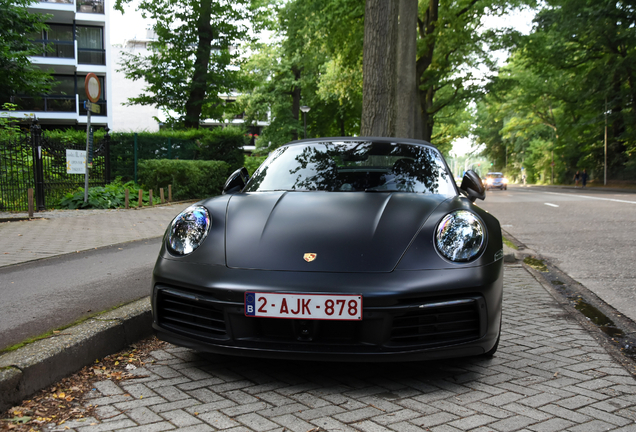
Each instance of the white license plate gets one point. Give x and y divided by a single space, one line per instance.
303 306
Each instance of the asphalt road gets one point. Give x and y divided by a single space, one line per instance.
46 294
589 234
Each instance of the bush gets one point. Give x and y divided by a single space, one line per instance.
253 162
223 144
189 179
107 197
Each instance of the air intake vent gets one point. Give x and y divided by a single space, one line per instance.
190 314
437 323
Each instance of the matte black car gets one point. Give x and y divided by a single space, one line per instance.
338 249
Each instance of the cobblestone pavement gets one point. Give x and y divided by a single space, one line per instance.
549 374
65 231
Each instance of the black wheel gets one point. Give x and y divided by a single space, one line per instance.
505 187
493 350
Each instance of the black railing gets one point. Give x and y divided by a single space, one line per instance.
90 6
56 48
91 56
45 103
55 104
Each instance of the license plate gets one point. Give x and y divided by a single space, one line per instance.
304 306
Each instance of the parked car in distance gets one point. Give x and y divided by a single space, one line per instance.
496 180
336 249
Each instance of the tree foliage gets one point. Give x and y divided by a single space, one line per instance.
17 74
314 59
317 60
194 58
547 108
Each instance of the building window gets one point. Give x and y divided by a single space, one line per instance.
90 6
90 45
57 41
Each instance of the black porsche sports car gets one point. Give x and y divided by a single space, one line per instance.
338 249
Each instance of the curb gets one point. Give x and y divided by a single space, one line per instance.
42 363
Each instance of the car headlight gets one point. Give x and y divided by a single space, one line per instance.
460 236
505 180
489 181
188 230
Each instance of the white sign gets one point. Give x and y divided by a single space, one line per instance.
75 161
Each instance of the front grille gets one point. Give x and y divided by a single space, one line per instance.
411 324
437 323
189 313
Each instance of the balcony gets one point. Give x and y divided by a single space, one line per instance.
90 6
60 49
58 104
91 56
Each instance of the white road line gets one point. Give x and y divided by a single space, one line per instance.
591 197
551 205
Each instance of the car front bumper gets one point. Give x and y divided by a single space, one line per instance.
407 315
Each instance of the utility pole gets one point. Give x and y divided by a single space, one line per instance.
552 168
605 163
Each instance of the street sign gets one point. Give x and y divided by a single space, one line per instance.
93 87
75 161
92 107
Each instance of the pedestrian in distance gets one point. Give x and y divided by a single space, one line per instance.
523 177
577 176
584 177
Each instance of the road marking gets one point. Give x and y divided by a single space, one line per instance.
551 205
591 197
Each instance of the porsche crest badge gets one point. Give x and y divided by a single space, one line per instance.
309 257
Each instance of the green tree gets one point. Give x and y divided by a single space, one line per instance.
17 74
546 110
315 60
194 58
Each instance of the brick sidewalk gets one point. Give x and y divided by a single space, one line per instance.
550 374
67 231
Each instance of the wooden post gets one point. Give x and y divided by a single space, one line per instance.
126 200
161 195
150 197
30 198
141 197
169 193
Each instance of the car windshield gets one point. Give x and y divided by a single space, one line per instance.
354 167
494 175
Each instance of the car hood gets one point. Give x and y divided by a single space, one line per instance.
347 231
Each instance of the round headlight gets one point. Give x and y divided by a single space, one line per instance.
188 230
460 236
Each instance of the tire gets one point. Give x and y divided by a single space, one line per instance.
505 187
493 350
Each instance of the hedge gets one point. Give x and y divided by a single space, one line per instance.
190 179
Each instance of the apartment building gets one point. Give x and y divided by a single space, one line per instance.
78 44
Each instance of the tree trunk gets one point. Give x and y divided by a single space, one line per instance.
378 68
427 93
406 94
296 100
199 85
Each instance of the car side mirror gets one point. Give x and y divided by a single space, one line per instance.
236 181
472 186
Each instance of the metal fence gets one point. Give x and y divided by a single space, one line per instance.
127 149
35 160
